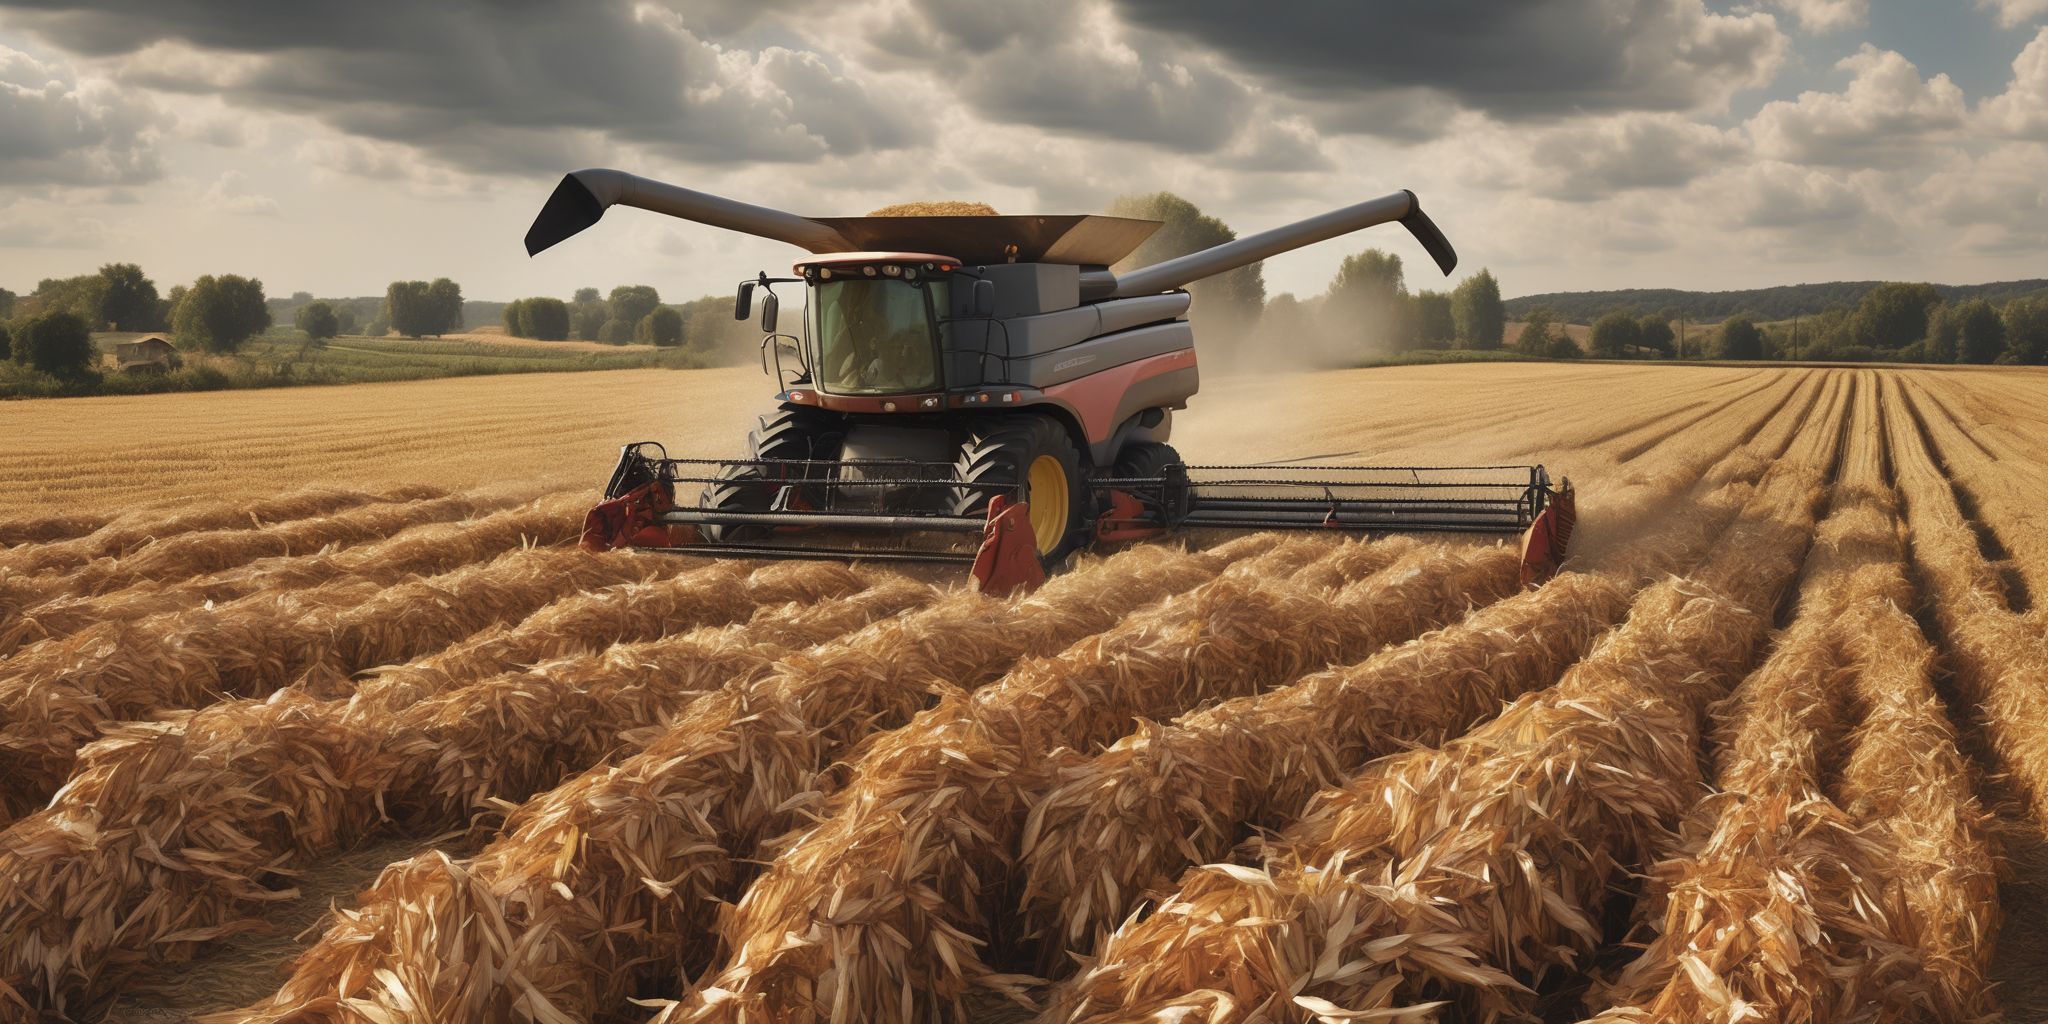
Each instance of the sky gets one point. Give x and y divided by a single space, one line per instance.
1564 144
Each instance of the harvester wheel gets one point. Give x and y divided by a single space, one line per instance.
1145 460
1033 451
782 434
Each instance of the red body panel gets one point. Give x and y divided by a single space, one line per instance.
1094 398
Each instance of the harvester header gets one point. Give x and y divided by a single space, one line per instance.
991 377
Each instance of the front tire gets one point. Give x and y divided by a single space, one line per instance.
786 434
1029 457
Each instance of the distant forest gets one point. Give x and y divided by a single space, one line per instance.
1780 303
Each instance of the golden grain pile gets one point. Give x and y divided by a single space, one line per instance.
1730 766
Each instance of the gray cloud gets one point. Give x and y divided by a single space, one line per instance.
1543 58
1067 66
56 130
489 86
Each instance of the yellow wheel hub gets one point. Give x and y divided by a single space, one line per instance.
1046 492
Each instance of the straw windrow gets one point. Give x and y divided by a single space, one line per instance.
421 549
133 530
1469 871
248 787
57 699
889 895
619 874
1126 822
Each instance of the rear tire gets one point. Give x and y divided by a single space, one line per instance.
792 434
1145 460
1035 452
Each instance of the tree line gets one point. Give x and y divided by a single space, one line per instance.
634 313
1892 322
1782 302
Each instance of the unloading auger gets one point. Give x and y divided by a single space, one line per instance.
988 379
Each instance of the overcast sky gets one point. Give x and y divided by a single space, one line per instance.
1567 144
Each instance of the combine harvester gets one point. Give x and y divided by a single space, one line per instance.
989 379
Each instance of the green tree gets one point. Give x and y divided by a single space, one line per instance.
129 301
1945 334
662 327
345 321
83 296
712 337
1434 324
1615 336
544 319
1739 338
7 304
586 295
615 332
2026 329
1563 347
586 318
1366 308
632 303
1480 314
6 343
515 318
1228 302
317 319
1536 337
1654 332
444 305
1893 315
408 310
219 313
58 343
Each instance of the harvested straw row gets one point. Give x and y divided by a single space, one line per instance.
1907 781
131 531
420 550
43 529
1774 903
164 835
875 913
617 875
195 554
2000 659
135 670
467 749
1469 871
721 593
1130 819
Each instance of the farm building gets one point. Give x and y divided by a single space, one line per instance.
149 355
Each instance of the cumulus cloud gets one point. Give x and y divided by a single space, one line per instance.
1543 58
1885 116
489 88
58 129
1826 15
2015 12
2021 111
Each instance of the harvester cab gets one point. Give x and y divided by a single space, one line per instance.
984 389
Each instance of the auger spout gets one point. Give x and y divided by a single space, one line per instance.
1175 273
583 197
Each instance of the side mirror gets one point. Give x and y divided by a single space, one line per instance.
984 297
769 305
743 304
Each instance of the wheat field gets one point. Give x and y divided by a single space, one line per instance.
310 710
